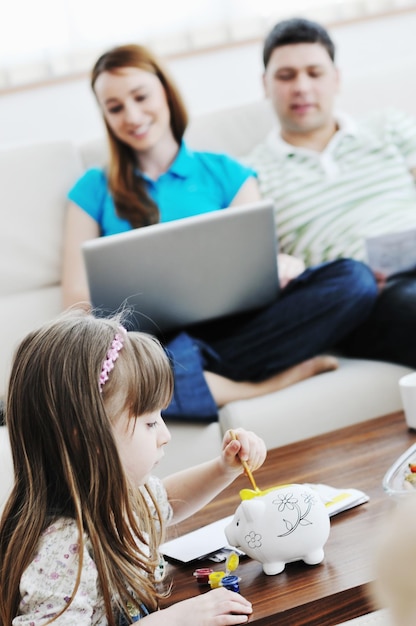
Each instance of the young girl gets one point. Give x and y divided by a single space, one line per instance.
154 176
80 532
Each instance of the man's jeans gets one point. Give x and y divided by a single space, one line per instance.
389 334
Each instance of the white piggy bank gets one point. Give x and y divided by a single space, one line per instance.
280 525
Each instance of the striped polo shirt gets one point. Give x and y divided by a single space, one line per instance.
360 185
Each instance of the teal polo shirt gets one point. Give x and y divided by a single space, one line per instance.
196 182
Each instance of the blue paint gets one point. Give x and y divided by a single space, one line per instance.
231 583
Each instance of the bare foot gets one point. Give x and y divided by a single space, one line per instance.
225 390
318 365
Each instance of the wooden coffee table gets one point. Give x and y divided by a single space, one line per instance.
339 588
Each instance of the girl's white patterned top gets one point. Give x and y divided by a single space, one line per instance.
47 583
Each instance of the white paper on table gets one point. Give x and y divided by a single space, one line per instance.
211 538
198 543
392 252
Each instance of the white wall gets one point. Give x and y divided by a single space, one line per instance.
371 55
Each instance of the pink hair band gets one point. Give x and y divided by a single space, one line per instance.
111 356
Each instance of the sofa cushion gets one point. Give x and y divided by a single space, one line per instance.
235 131
359 390
35 180
94 153
21 313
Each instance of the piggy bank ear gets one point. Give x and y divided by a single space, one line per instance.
252 509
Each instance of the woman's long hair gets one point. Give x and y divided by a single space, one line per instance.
129 193
66 463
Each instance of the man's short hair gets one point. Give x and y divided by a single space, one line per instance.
297 30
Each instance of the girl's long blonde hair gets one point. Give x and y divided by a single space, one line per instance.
128 190
66 461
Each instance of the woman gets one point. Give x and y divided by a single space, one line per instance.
153 176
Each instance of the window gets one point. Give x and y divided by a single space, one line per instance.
50 38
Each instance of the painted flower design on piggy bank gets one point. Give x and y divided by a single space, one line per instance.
279 526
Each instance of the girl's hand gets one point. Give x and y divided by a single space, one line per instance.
246 447
219 607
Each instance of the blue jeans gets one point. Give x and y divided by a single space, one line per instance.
310 316
389 333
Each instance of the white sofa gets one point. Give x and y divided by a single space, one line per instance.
34 182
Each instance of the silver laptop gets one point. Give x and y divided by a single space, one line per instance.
175 274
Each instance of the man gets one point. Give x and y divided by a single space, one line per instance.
335 180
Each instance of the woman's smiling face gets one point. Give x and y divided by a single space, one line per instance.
135 106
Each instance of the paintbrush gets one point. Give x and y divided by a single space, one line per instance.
246 467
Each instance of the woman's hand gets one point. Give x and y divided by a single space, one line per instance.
246 447
219 607
289 268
